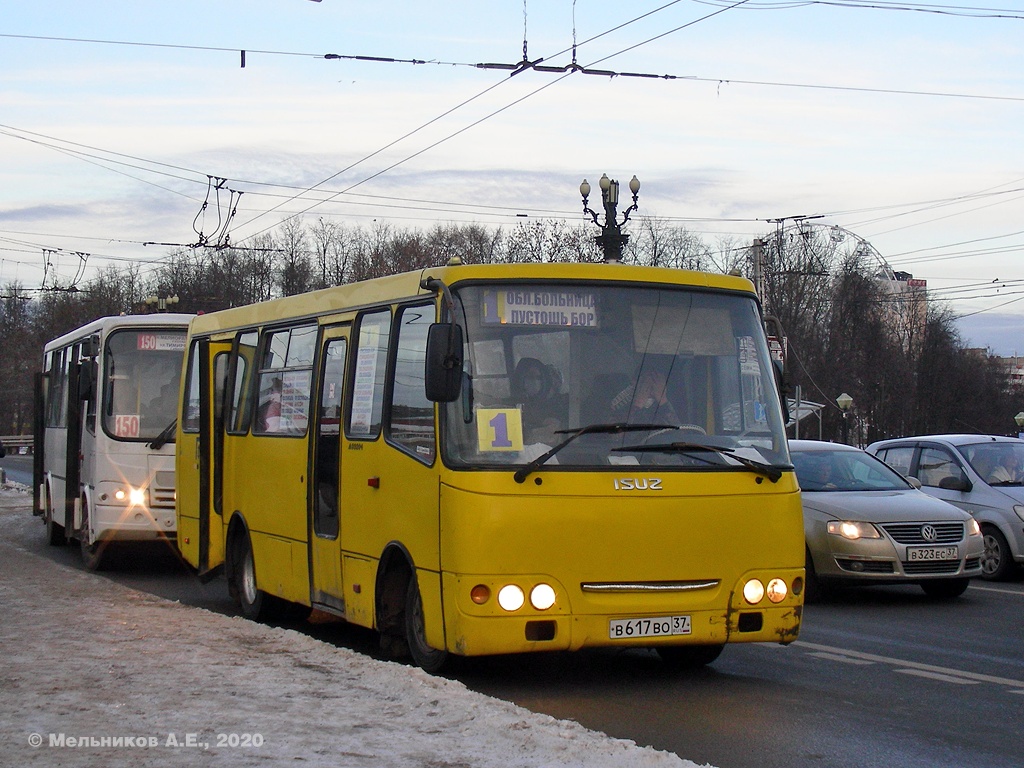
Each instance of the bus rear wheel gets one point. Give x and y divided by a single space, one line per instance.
426 657
689 656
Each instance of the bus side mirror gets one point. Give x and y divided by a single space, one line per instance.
443 373
87 380
783 393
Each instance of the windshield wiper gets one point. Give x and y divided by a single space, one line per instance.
773 473
166 436
594 429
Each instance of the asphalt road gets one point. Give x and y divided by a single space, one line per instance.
879 677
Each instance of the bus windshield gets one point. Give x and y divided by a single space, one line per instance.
652 375
141 377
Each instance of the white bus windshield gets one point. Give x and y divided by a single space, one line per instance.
684 375
142 369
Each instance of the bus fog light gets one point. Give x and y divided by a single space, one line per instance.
798 585
777 590
480 594
753 591
511 597
121 494
542 597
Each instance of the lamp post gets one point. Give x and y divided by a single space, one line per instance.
611 238
1019 418
845 402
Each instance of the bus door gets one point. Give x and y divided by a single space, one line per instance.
200 525
324 498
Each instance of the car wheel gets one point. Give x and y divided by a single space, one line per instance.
689 656
945 589
996 562
428 658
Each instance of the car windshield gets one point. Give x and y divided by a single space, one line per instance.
996 463
622 367
824 470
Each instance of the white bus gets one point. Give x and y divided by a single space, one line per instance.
106 409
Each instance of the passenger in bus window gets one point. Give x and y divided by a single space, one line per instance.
535 390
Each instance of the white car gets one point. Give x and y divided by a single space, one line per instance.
867 524
981 474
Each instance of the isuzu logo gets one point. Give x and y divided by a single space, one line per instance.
928 533
638 484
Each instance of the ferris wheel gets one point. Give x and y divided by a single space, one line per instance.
845 242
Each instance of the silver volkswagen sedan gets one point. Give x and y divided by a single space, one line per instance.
867 524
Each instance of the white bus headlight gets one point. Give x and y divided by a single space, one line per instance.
753 591
511 597
777 590
542 597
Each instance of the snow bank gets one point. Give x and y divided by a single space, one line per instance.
103 675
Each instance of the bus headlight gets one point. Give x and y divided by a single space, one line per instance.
777 590
125 494
511 597
542 597
753 591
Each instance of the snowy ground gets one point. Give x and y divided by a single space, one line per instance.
103 675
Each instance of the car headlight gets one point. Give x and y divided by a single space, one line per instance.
973 529
850 529
1019 509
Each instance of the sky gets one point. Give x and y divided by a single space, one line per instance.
192 687
893 124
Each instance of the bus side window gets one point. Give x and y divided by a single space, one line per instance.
367 406
411 422
241 397
190 419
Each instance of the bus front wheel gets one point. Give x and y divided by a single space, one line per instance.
54 530
426 657
254 602
92 551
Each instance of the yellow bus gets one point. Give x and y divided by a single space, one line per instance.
492 459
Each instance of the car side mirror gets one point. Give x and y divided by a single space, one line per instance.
956 484
913 481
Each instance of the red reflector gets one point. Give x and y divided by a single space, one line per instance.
373 482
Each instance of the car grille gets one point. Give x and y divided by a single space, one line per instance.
928 568
910 533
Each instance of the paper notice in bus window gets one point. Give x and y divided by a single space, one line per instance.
499 429
548 308
160 342
126 425
363 390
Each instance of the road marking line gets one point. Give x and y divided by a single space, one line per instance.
903 663
936 676
838 657
1016 592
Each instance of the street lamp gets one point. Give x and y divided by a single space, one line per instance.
611 238
845 402
160 303
1019 418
